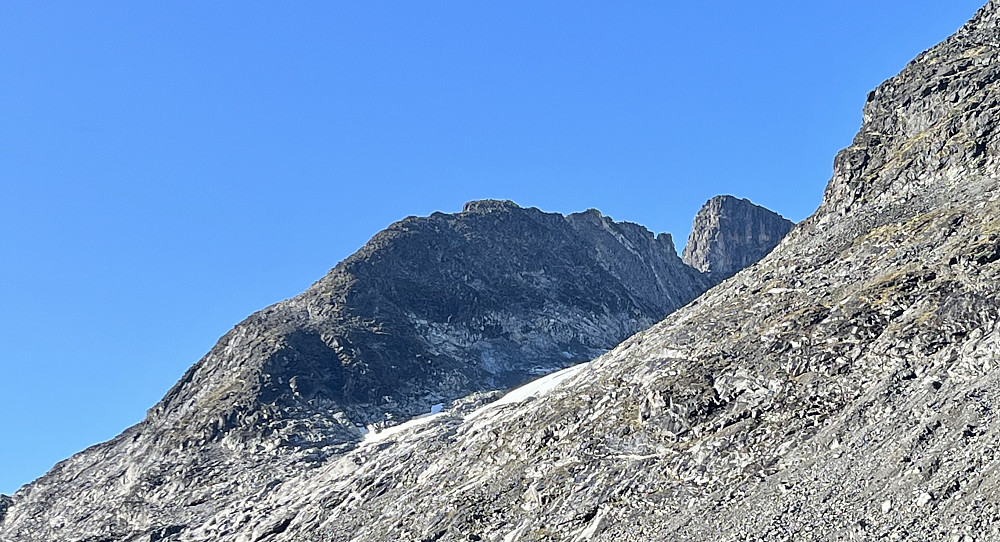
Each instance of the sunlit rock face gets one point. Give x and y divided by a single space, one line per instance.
434 313
730 234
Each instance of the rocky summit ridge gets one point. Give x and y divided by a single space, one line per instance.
429 310
433 313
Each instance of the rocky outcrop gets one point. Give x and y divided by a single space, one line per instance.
5 503
730 234
844 388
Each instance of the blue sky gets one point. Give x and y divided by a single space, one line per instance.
169 168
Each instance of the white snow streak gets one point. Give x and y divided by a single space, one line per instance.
531 389
374 435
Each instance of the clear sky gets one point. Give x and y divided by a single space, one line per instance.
166 169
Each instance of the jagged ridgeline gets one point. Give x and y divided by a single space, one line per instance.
434 313
430 310
844 388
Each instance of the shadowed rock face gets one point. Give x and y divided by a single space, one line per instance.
730 234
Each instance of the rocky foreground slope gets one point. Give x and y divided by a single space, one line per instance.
845 388
433 312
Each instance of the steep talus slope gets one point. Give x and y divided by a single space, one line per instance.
845 388
730 234
450 307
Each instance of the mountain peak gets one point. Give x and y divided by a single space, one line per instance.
434 312
729 234
843 388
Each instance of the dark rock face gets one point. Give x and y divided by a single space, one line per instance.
5 503
730 234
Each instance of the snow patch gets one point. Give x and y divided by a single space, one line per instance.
534 388
374 435
531 389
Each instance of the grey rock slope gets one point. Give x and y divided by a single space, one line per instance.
444 309
730 234
845 388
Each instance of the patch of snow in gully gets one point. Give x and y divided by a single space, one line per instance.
531 389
